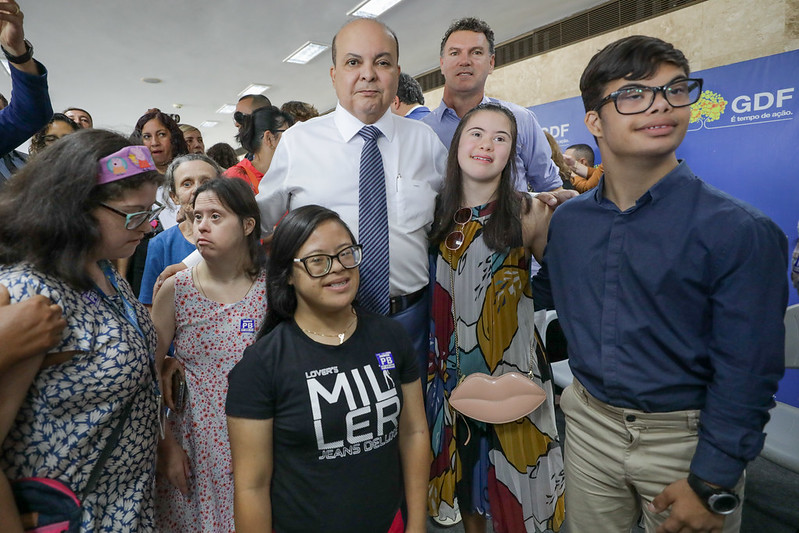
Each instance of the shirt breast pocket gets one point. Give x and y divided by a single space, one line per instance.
415 204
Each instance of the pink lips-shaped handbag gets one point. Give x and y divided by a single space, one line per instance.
497 400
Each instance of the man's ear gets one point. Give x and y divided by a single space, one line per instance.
395 103
333 75
490 70
594 123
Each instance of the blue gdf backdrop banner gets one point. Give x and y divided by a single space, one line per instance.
743 139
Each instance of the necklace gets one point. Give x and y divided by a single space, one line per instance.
339 335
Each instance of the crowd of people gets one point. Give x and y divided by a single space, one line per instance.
193 342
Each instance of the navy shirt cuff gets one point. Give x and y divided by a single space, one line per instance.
716 467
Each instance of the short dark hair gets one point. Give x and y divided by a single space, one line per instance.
3 101
583 151
301 111
469 24
409 91
258 100
290 234
46 208
37 141
179 146
169 175
632 58
385 27
236 195
223 154
253 126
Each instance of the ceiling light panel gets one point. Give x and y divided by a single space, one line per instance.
306 53
373 8
255 88
227 109
209 123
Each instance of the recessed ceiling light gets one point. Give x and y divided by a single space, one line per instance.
227 109
305 53
373 8
255 88
209 123
151 80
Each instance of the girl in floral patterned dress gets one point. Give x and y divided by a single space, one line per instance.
81 203
484 233
212 312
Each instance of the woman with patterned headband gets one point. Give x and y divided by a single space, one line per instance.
78 205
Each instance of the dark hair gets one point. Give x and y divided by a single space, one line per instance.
469 24
290 234
46 208
37 141
179 146
3 101
258 100
583 151
236 195
81 110
632 58
388 30
169 175
223 154
503 229
263 119
301 111
409 90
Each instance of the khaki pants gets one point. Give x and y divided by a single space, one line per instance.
617 460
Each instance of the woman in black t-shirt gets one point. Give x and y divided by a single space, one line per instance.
325 412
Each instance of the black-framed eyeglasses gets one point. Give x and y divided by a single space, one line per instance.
639 98
319 265
134 220
455 239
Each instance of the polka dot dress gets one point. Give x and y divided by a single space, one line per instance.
209 340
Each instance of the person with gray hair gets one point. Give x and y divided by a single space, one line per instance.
182 178
409 102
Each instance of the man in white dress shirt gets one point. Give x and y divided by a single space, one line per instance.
317 162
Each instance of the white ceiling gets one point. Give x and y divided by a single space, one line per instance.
206 52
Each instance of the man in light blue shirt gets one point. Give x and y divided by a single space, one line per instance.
467 58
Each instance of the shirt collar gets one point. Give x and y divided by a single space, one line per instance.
349 126
678 176
443 109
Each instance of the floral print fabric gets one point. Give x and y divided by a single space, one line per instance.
210 339
72 407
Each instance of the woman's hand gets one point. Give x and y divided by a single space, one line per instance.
168 272
169 368
173 463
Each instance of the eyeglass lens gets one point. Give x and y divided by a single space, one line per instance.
319 265
680 93
455 239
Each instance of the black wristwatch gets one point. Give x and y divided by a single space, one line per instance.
718 500
24 58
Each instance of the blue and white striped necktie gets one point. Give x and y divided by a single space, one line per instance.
373 225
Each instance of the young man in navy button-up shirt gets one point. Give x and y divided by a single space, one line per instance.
672 297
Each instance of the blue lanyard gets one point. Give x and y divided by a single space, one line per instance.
129 313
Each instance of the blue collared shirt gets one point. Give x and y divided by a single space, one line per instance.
534 165
676 303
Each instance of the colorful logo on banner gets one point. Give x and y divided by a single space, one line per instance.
714 111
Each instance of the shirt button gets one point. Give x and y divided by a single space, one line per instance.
630 418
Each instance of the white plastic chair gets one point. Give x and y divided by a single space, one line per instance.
782 431
561 372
